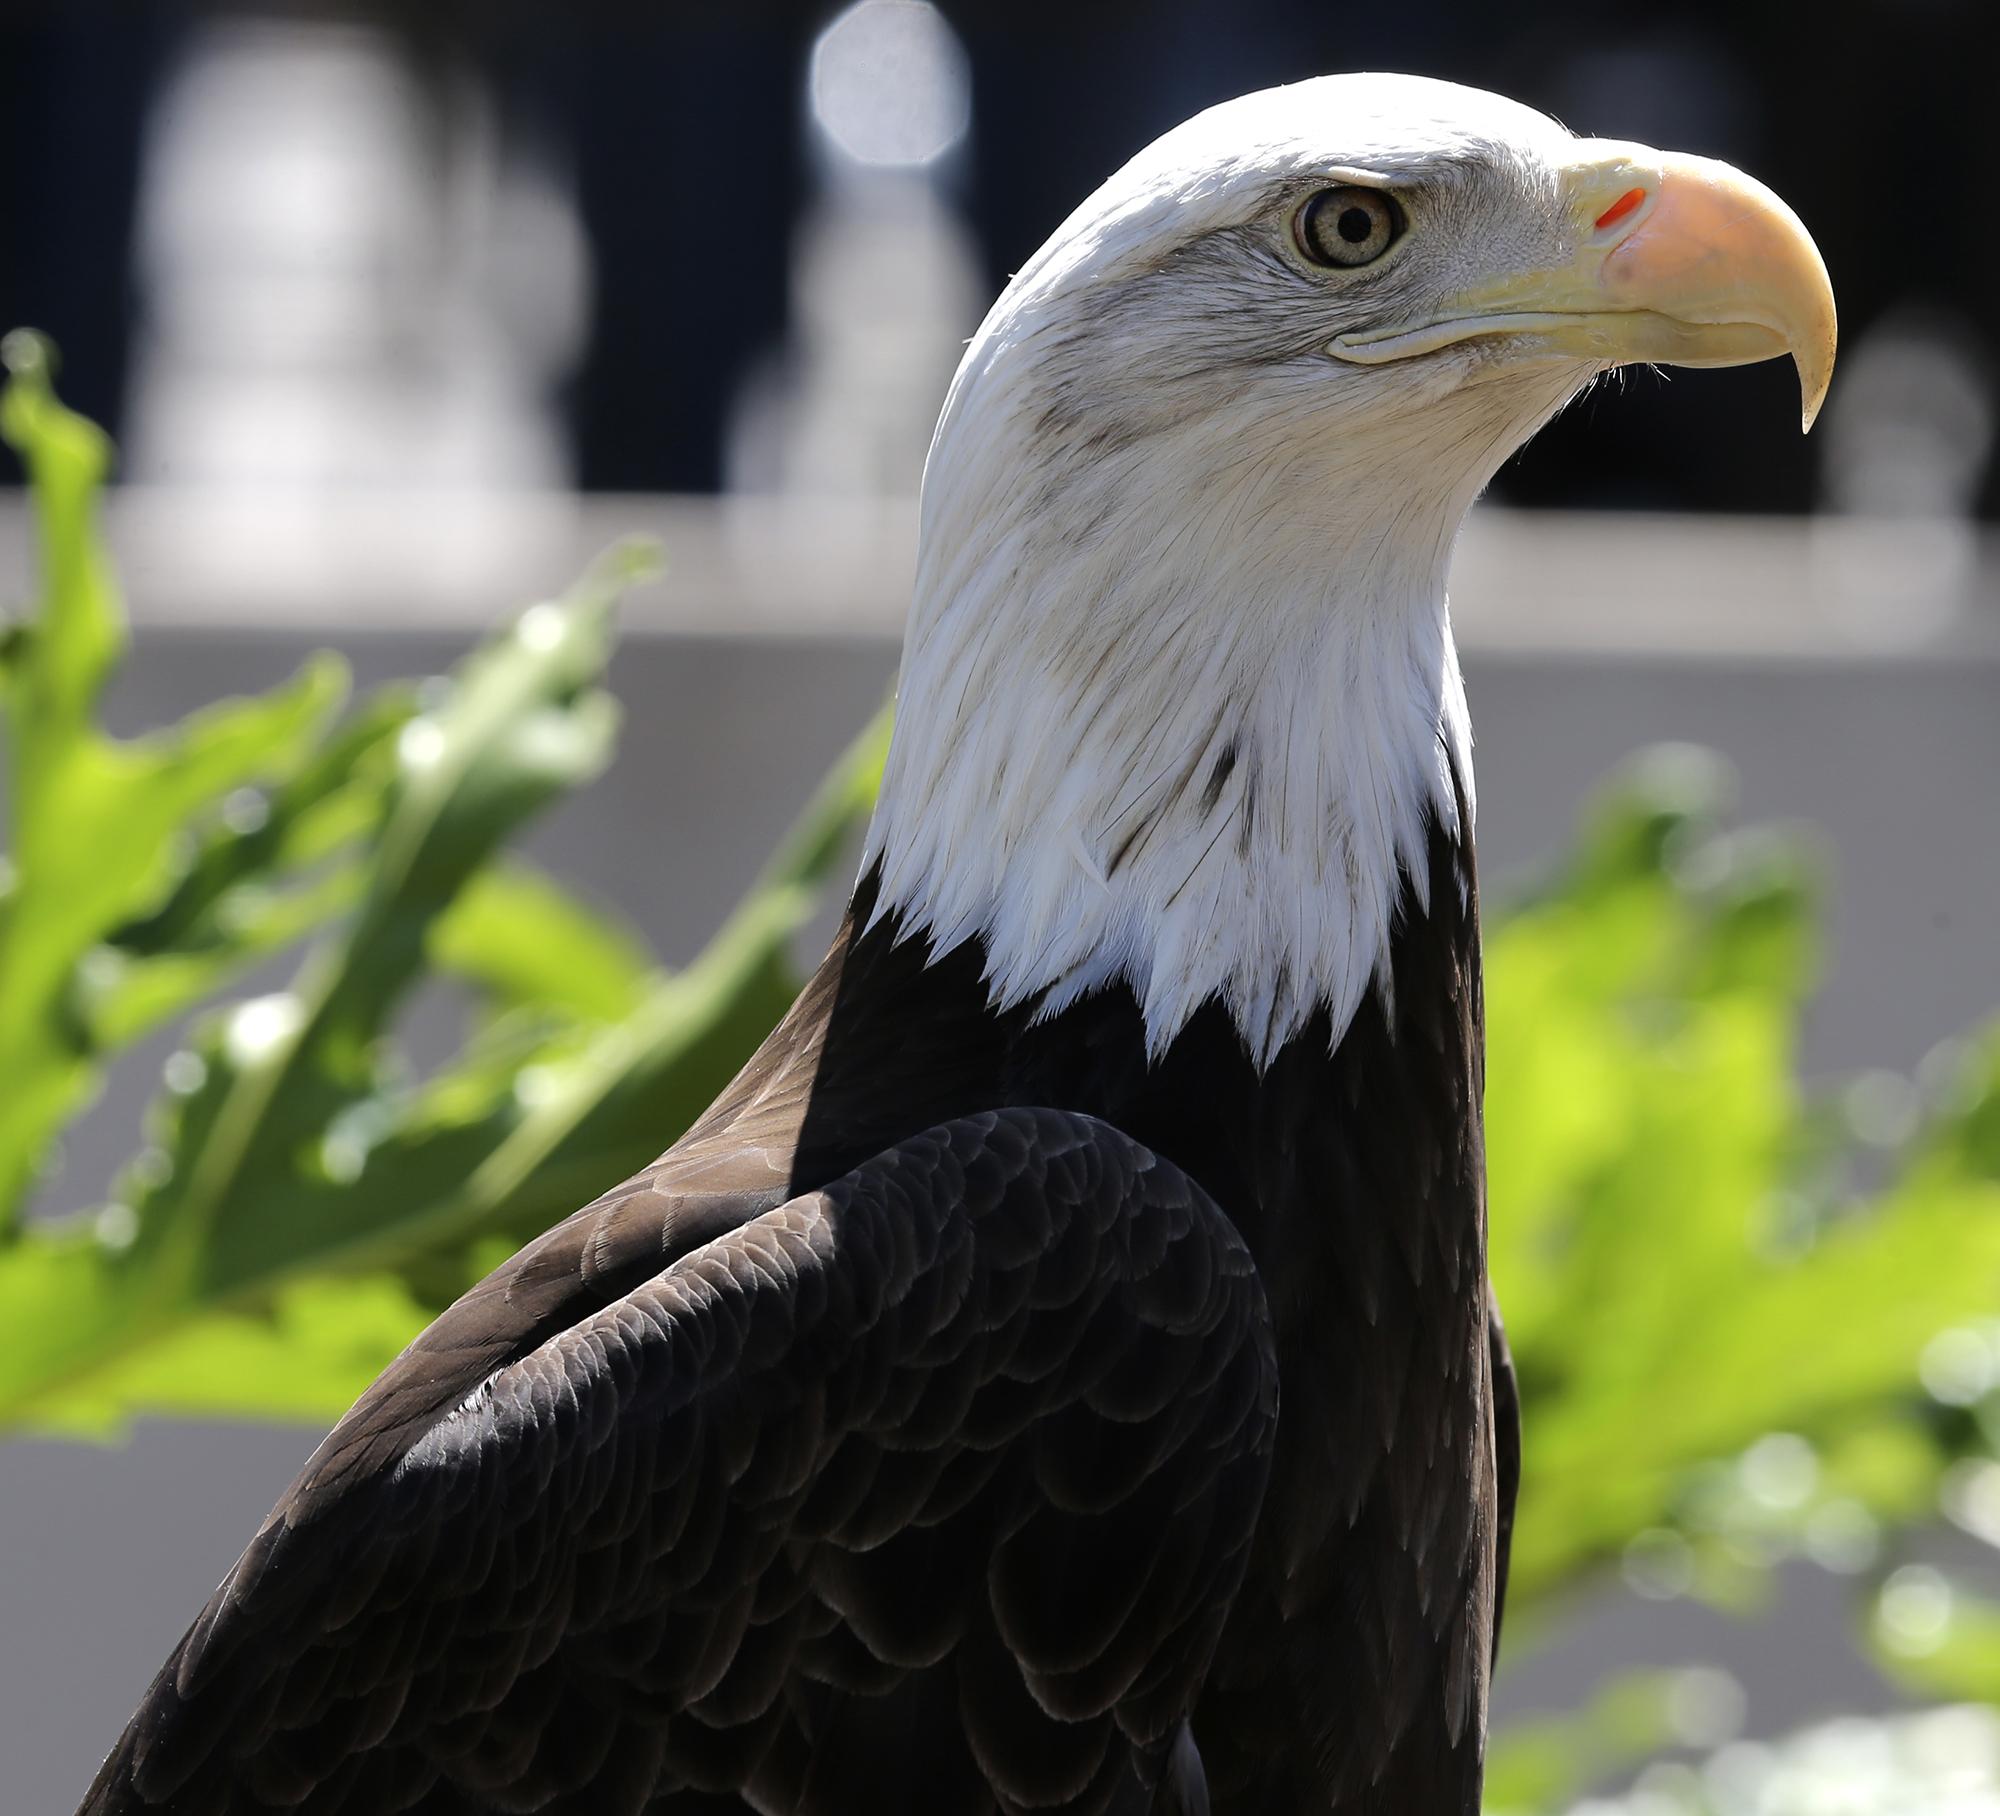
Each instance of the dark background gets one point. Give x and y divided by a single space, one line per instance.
680 128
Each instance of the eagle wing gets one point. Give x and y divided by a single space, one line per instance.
927 1490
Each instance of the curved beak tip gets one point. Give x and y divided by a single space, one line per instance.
1815 366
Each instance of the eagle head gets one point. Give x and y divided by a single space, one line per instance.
1179 702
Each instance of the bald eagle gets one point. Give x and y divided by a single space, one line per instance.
1060 1371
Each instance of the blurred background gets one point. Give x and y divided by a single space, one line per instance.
398 313
729 245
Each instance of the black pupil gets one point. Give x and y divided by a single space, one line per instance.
1355 225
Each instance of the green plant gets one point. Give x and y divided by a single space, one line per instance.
304 1201
1751 1324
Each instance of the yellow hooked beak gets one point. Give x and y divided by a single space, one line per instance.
1680 261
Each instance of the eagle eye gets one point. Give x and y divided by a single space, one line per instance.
1347 226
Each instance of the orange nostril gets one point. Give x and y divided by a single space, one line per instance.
1620 208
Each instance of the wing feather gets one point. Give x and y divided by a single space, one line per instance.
967 1446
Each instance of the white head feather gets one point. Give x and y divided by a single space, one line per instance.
1179 698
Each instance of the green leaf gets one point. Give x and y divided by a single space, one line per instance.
100 826
1682 1262
292 1151
58 662
524 720
259 842
305 1357
524 943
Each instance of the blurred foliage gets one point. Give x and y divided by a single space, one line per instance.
1691 1255
1751 1324
304 1200
1944 1762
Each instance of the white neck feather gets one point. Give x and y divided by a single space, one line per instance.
1185 740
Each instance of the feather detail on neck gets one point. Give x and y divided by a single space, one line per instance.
1173 772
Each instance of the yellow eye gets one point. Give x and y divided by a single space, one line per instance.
1346 226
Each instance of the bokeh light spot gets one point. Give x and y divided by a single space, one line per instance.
890 83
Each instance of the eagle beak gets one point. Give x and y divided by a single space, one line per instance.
1678 261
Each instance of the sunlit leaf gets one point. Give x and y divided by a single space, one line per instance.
523 941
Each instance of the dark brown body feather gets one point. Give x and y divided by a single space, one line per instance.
788 1521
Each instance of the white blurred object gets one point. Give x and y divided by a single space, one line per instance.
1907 435
890 83
346 282
885 279
1910 431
